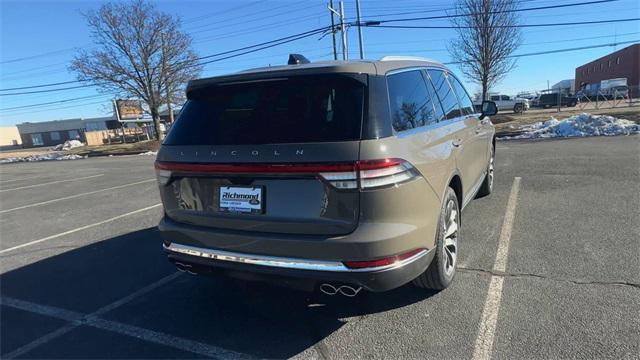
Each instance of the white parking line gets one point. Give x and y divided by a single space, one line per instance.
79 229
93 319
75 196
75 318
486 332
18 179
51 182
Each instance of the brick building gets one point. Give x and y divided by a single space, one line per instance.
624 63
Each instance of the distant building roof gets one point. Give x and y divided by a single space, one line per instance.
569 83
60 125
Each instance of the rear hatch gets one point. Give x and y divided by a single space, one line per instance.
269 155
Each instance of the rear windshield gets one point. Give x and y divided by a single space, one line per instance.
293 110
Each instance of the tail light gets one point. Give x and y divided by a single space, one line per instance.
372 174
365 174
384 262
163 175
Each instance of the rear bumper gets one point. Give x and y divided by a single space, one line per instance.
263 256
294 270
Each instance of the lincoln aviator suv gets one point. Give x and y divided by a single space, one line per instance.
338 175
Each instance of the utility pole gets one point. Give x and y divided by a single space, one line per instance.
166 81
359 30
333 30
345 53
343 30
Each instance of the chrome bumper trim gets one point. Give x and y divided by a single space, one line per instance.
280 262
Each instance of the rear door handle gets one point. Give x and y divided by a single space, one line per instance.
456 142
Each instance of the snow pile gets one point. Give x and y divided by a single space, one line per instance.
579 126
44 157
152 153
68 145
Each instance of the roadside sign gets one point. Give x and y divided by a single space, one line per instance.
129 109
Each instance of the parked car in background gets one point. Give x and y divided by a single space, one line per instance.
527 95
342 175
507 103
550 100
614 87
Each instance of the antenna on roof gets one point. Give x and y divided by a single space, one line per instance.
297 59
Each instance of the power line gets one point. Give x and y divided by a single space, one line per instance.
260 46
273 25
264 47
499 12
43 85
4 74
208 16
246 19
501 26
382 26
555 51
51 102
523 44
427 11
42 55
448 63
58 108
49 90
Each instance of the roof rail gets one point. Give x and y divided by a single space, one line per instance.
407 58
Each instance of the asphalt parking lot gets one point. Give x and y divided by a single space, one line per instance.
549 268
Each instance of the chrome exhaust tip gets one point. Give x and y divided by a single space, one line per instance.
346 290
186 268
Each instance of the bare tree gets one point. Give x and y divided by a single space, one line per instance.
487 37
140 52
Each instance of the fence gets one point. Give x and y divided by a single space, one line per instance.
610 98
117 136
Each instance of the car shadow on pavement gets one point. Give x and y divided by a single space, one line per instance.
251 318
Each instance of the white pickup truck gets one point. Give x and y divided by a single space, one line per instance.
506 102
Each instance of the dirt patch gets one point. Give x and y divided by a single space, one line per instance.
117 149
24 153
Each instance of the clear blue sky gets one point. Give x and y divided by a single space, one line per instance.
45 34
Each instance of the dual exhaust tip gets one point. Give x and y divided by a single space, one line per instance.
325 288
186 268
346 290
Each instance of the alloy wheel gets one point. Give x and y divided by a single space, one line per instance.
490 171
450 237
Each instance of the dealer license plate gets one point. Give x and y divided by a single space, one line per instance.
242 199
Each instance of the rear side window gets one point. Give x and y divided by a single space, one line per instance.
410 100
294 110
446 94
466 105
495 97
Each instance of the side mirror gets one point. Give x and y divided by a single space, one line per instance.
489 108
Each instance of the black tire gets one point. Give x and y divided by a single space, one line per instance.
518 108
487 185
441 271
